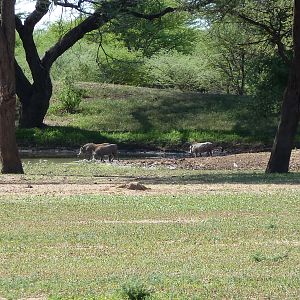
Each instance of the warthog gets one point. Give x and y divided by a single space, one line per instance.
109 149
199 148
87 150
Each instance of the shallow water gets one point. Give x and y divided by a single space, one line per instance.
70 156
58 160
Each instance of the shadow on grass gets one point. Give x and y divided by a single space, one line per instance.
232 178
146 138
58 136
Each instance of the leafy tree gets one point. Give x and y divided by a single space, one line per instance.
267 80
232 45
34 96
290 112
273 19
169 33
8 147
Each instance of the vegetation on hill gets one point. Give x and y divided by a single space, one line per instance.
200 66
137 117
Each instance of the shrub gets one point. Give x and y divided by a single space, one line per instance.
267 86
70 96
122 67
186 72
135 291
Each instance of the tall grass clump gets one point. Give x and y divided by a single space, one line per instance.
135 291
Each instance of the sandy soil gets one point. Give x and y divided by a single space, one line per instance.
14 184
243 161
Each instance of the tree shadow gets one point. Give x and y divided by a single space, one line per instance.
231 178
141 116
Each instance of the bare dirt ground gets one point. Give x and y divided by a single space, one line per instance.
20 185
243 162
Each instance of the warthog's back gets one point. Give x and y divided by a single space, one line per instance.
106 149
207 146
111 150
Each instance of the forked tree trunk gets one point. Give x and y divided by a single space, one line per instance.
290 112
9 155
35 102
35 97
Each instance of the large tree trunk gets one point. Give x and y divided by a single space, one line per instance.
9 155
35 102
35 97
290 113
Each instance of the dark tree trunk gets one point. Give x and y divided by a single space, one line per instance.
35 102
290 112
9 155
10 159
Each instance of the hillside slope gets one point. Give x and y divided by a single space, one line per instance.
138 117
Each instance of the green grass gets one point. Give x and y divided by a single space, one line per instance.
83 171
236 245
150 118
89 246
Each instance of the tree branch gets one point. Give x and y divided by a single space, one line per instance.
41 9
274 34
150 16
91 23
23 86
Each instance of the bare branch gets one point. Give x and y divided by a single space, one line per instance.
91 23
41 9
151 16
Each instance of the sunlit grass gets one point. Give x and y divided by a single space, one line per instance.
241 244
182 247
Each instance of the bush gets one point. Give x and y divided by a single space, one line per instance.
135 291
186 72
267 86
124 67
70 96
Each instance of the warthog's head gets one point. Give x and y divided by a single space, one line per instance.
191 149
81 152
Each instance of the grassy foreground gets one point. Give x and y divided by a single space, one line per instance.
234 245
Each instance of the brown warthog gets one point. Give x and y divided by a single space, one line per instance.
199 148
109 149
87 150
208 147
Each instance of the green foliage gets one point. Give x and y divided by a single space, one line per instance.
151 119
122 67
171 32
268 81
70 96
56 136
260 257
135 291
230 52
185 72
